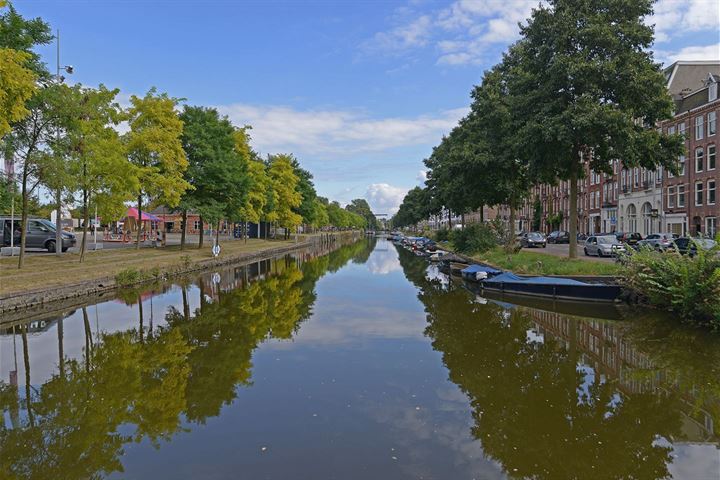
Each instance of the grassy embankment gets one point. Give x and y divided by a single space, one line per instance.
537 263
48 271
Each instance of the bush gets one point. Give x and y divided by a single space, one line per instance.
442 235
475 238
129 276
687 286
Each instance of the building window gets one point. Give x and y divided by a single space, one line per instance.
698 194
699 159
681 128
682 165
636 175
711 226
711 154
711 192
681 196
196 225
712 122
671 197
671 130
699 127
712 91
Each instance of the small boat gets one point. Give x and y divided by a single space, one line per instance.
437 256
477 273
553 287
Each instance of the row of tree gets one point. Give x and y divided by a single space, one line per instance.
67 139
579 88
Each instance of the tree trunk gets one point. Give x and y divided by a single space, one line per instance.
184 228
449 219
86 220
61 349
510 245
573 208
462 220
482 213
202 232
58 223
139 222
23 218
217 233
186 305
245 231
88 340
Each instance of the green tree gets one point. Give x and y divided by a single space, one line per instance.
154 148
217 169
284 183
17 85
306 188
361 207
253 209
585 88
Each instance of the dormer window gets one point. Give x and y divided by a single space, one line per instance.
712 91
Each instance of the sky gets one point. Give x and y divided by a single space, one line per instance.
359 91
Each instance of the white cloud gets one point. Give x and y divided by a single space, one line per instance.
465 29
401 38
673 18
384 198
697 52
421 176
334 133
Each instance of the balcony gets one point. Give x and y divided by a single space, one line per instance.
646 184
625 189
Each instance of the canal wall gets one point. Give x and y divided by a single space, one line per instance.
75 293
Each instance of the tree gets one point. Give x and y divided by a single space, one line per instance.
306 188
361 207
284 183
154 148
17 85
97 159
217 169
585 88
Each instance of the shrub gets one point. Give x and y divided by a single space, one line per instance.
442 235
129 276
689 287
475 238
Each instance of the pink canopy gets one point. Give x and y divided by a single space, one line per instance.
146 217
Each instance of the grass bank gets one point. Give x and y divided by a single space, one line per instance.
535 263
45 272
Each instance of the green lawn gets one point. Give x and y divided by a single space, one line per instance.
544 264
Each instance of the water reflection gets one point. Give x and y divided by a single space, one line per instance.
363 363
141 383
556 396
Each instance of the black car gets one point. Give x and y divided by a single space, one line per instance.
559 236
689 246
533 239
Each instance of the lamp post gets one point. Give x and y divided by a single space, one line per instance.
58 191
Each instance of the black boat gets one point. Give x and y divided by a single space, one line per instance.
553 287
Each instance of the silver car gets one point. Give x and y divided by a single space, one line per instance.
604 246
658 241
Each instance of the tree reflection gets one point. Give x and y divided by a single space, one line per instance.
147 380
540 407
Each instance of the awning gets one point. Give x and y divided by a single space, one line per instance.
146 217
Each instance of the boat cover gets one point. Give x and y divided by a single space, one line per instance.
481 268
509 277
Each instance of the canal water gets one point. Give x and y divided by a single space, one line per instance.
362 363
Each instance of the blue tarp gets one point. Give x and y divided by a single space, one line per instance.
472 269
508 277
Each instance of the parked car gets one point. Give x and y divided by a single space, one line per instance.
40 234
629 238
657 241
689 246
533 239
559 236
603 246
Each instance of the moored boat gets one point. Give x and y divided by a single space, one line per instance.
553 287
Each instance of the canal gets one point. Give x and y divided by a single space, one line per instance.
362 363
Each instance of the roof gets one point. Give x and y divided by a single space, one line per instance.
146 217
683 77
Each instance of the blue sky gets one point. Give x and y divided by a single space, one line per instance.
359 91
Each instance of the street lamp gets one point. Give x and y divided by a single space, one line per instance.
58 194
